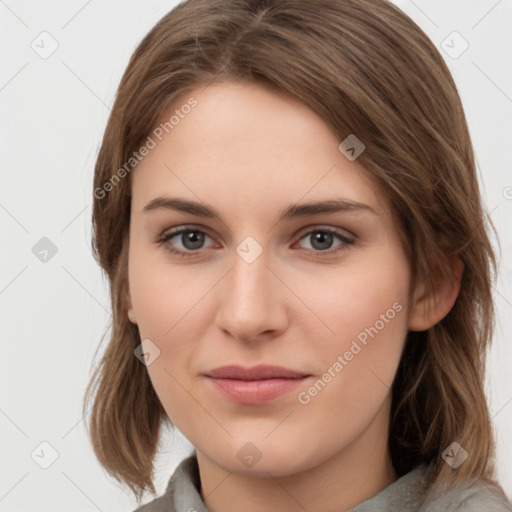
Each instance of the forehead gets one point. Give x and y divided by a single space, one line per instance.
250 147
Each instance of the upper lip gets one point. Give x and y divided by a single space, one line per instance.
260 372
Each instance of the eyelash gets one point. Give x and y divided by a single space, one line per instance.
166 237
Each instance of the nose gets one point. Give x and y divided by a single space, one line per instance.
252 300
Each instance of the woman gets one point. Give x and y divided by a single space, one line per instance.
287 210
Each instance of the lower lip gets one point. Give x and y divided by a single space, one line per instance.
255 391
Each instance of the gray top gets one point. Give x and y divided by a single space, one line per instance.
407 494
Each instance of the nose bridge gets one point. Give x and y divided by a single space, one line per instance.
248 298
250 273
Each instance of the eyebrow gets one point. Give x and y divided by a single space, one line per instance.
289 212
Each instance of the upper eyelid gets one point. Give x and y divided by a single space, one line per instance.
194 227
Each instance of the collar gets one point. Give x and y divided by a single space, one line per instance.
183 492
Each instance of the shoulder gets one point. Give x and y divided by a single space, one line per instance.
161 504
475 497
164 503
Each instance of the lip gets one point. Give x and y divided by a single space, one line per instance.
254 385
259 372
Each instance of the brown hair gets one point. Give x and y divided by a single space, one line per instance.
367 69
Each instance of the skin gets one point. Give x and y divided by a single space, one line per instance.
248 152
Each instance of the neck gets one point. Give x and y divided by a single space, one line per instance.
351 476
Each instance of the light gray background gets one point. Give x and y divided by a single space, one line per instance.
53 113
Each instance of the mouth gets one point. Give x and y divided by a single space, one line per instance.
255 385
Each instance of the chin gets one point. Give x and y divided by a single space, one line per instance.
261 459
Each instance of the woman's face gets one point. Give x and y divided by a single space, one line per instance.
265 281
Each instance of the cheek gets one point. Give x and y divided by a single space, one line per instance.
364 308
169 304
163 295
361 300
359 362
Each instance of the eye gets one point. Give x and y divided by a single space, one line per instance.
323 238
192 241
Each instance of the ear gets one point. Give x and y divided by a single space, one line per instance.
429 309
131 312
